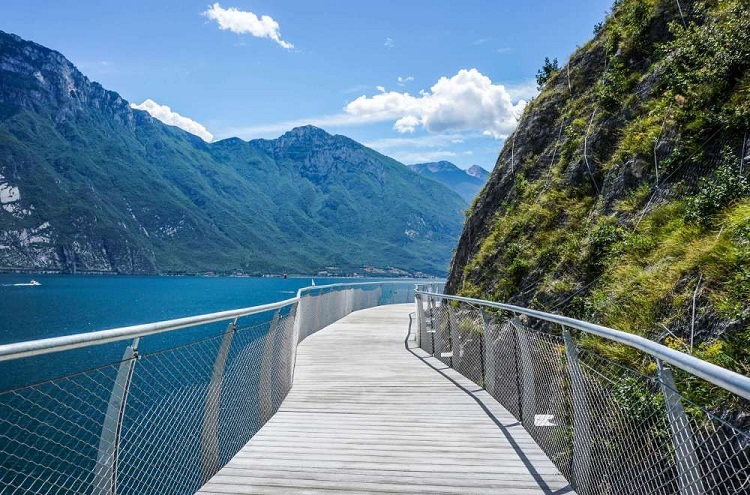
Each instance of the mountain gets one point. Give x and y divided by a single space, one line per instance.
478 172
89 184
623 196
467 183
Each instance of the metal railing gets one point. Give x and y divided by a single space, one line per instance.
611 426
167 414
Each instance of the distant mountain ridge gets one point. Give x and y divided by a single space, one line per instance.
467 183
89 184
478 172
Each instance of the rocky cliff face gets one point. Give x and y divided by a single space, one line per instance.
623 192
44 81
89 184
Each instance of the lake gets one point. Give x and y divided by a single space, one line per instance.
68 304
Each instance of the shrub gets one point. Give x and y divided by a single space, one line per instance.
717 192
548 70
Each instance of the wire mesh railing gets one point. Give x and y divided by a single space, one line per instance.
610 428
167 415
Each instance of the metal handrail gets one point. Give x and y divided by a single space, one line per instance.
311 288
79 340
18 350
722 377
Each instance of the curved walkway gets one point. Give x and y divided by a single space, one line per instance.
366 415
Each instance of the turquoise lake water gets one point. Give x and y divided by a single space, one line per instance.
68 304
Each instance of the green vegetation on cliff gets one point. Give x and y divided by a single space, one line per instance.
624 196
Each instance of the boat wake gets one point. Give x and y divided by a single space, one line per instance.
32 283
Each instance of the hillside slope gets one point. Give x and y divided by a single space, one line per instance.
622 196
89 184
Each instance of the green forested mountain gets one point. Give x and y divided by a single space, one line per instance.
623 197
89 184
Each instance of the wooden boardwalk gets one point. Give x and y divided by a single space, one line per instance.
366 415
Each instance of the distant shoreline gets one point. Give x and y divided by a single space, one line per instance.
7 271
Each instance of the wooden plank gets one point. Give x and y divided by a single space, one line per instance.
365 415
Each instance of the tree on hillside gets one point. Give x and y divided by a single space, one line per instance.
544 74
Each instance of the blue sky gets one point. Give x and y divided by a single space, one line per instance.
464 65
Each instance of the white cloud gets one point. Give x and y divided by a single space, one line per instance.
403 80
389 43
244 22
468 101
166 115
406 124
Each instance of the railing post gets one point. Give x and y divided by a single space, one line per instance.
109 442
454 341
528 389
432 330
485 334
287 364
688 466
442 329
265 381
209 430
420 318
581 458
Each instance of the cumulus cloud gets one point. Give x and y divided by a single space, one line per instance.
169 117
403 80
468 101
406 124
244 22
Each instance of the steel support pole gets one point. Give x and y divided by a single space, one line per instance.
686 458
432 330
485 334
210 427
265 382
107 457
454 340
420 319
528 387
581 418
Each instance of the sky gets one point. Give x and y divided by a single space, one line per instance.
416 80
